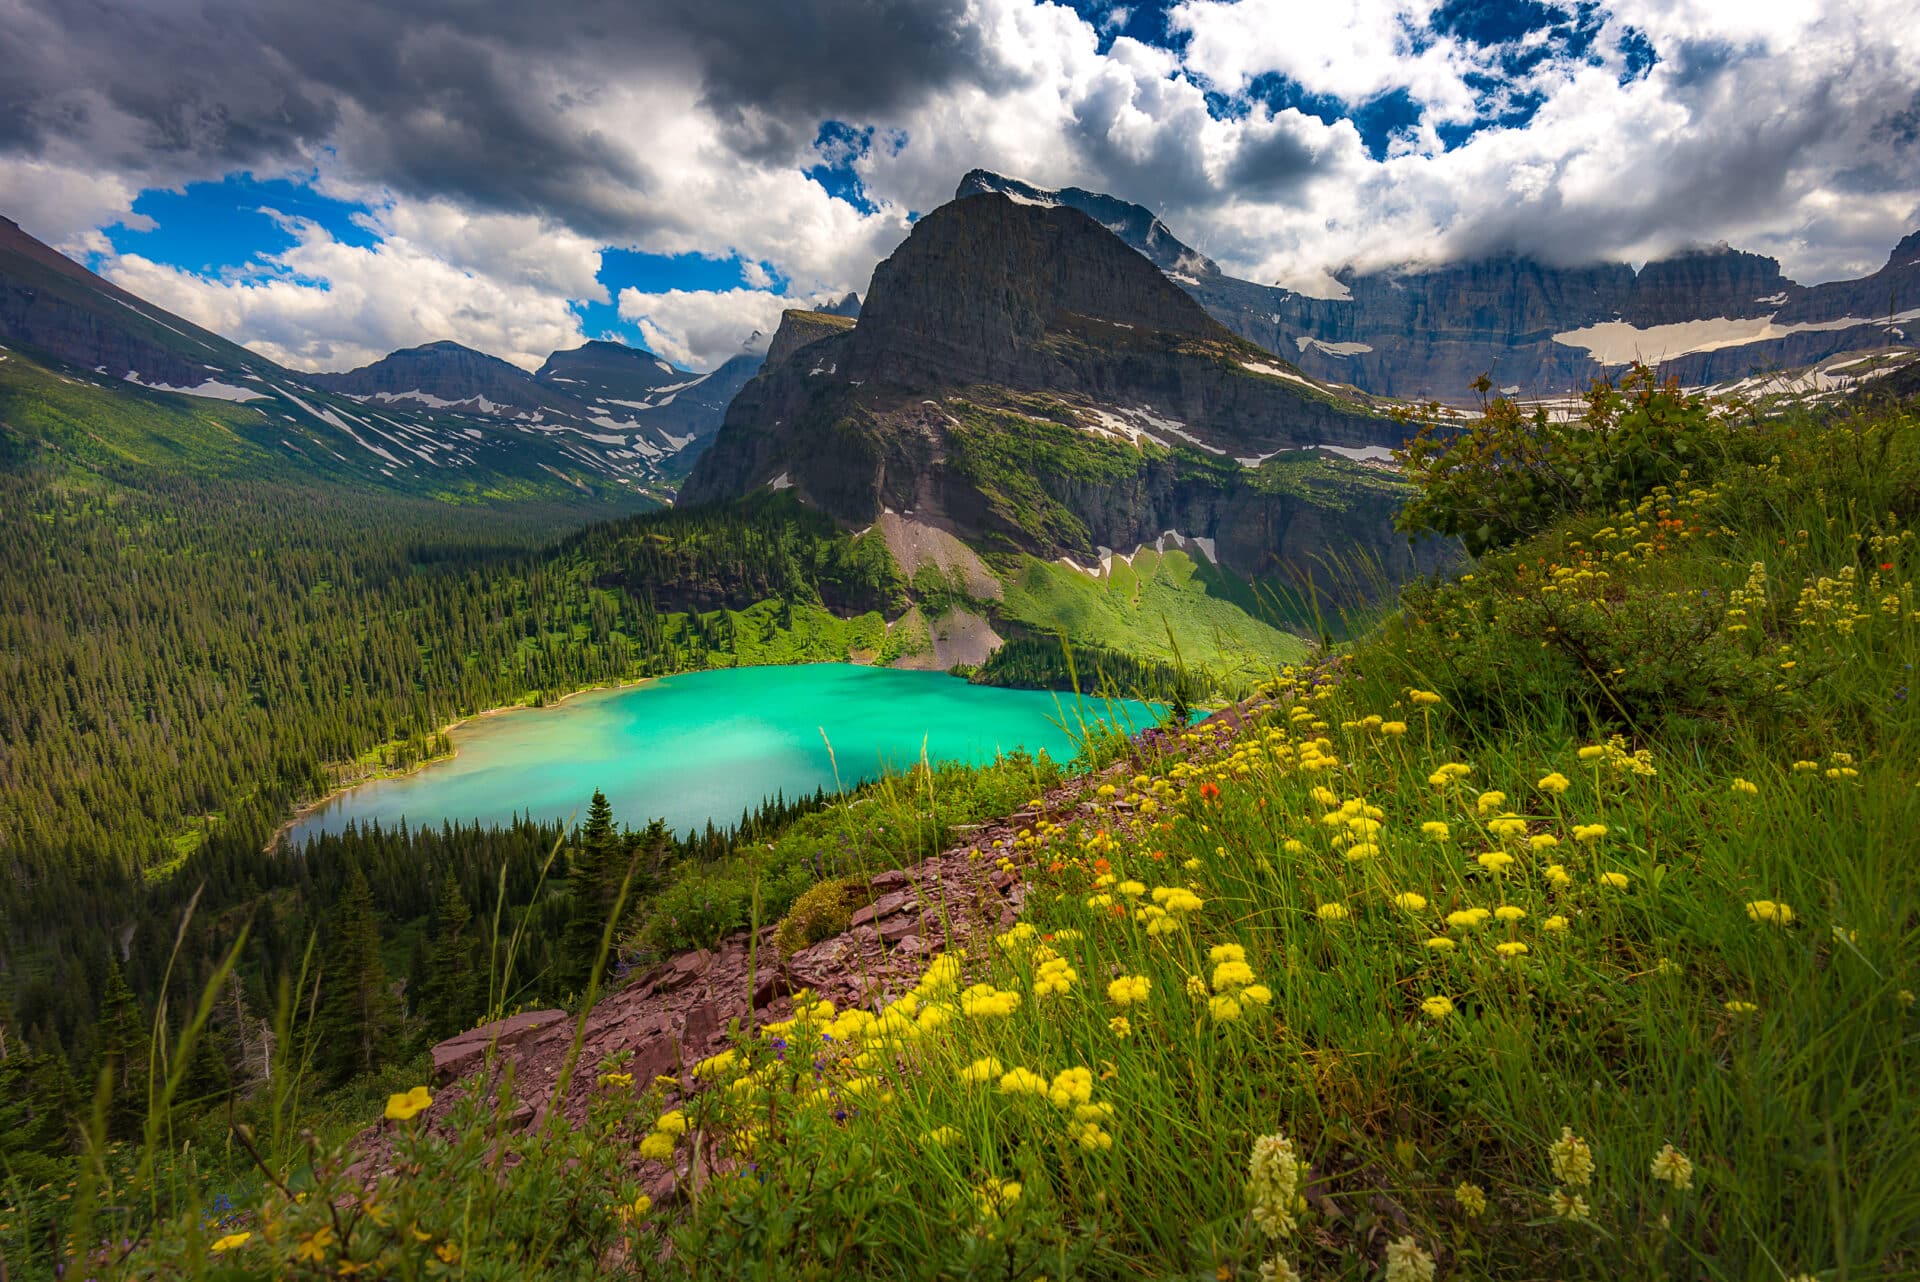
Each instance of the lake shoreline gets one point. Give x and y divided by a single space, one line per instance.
770 719
307 808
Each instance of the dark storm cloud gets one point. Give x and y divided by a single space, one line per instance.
448 97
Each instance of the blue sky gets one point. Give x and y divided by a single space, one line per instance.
674 176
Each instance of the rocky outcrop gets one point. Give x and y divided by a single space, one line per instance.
995 313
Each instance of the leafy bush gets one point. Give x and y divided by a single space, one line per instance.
825 910
1510 474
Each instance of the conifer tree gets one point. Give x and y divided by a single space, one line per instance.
121 1051
450 997
359 1018
597 868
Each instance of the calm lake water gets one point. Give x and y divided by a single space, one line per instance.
705 745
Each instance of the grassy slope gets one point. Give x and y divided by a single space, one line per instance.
128 431
1162 606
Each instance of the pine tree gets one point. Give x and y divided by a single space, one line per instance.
598 867
359 1020
121 1051
450 997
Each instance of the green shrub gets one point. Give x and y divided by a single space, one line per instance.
823 911
1509 474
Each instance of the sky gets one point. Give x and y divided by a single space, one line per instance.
326 183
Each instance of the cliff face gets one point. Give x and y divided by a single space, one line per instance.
1021 378
55 306
1418 333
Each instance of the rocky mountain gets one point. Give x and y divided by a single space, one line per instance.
1021 381
1710 316
441 418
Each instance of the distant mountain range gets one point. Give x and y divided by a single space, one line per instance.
602 418
605 419
1711 316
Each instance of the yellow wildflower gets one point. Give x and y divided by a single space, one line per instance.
1494 861
1555 923
1555 783
1471 1197
1440 944
657 1147
996 1196
1587 834
1571 1159
1232 974
1467 918
1437 1007
1746 787
1507 825
1333 912
1617 880
1738 1007
1410 901
313 1247
404 1108
1361 850
1022 1081
1435 829
1488 802
229 1242
1129 990
982 1070
1570 1207
1509 914
1511 948
1406 1262
1273 1181
1120 1026
1769 911
1671 1166
1071 1086
1543 841
1278 1269
1558 874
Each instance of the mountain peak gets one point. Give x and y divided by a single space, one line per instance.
982 281
1135 224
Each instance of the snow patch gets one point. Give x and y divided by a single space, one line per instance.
781 482
212 389
1275 371
1331 349
1619 343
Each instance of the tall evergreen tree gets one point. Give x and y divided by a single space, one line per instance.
598 866
121 1052
451 995
359 1020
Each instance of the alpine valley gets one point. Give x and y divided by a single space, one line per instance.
1581 589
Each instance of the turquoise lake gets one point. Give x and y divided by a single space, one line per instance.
706 745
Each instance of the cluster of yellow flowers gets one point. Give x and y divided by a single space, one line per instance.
1235 986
